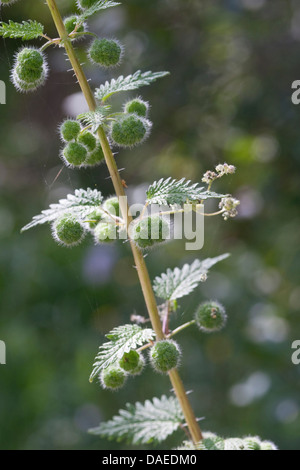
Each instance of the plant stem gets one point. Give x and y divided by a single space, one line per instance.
137 254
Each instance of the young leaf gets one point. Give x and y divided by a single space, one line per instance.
152 421
26 30
122 340
94 119
81 204
177 283
170 191
101 5
131 82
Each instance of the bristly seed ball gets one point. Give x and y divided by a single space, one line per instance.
113 377
70 24
132 362
149 231
105 232
165 355
83 4
74 154
88 140
105 52
210 316
67 230
96 157
30 69
69 130
137 106
130 130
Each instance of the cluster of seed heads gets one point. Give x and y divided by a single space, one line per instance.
164 356
82 148
149 231
69 230
30 69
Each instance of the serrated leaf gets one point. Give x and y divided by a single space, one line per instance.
122 339
152 421
101 5
170 192
81 204
131 82
177 283
94 119
26 30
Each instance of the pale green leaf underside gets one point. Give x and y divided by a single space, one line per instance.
122 339
101 5
81 204
177 283
26 30
170 192
131 82
152 421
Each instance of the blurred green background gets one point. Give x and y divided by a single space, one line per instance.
228 98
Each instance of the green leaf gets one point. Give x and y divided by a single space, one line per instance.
177 283
131 82
170 192
94 119
26 30
80 204
152 421
101 5
122 339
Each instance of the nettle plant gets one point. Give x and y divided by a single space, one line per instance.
88 141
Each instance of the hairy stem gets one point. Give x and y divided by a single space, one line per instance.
137 254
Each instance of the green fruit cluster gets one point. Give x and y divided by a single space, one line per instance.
165 355
149 231
129 130
82 148
67 230
105 52
30 69
210 317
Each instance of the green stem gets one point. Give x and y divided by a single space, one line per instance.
137 254
180 328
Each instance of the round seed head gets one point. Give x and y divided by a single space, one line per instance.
105 232
210 316
96 157
165 355
68 231
130 130
113 378
69 130
105 52
88 140
74 154
137 106
132 362
149 231
30 69
112 206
